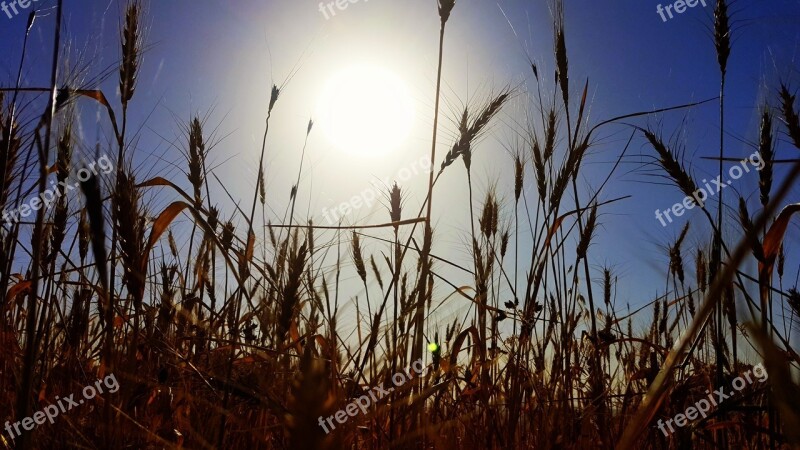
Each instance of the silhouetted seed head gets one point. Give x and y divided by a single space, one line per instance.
213 218
173 246
675 258
607 286
674 169
310 236
450 331
559 186
519 175
491 109
197 153
722 34
64 149
781 261
576 157
78 318
701 271
130 52
539 171
462 146
445 8
793 299
395 204
83 235
469 131
94 209
747 227
729 306
550 135
766 153
461 143
682 236
562 65
488 219
282 253
588 231
404 292
63 97
504 243
656 316
714 263
59 228
262 189
790 116
452 155
44 242
227 235
358 260
376 271
291 290
272 238
273 97
130 223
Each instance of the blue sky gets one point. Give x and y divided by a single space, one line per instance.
219 59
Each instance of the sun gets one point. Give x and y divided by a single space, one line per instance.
365 110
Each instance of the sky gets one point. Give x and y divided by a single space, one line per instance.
219 59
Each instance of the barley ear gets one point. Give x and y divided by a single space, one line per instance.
766 153
94 209
131 41
674 169
197 154
395 205
562 63
358 259
790 116
722 34
445 8
519 177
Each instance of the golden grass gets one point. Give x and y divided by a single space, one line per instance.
234 341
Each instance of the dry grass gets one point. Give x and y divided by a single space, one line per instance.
234 341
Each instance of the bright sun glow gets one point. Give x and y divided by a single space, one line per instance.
365 110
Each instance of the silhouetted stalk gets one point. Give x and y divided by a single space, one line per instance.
243 278
299 172
722 45
10 242
445 6
23 395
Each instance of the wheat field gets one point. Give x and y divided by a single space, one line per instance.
228 322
